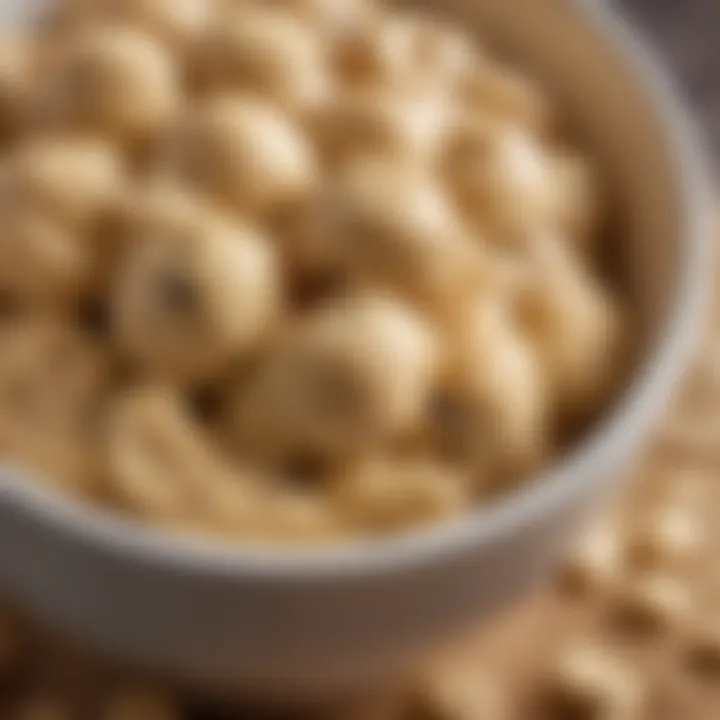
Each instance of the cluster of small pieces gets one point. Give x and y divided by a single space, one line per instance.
630 630
290 270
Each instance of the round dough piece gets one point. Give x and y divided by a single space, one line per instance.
576 325
72 178
305 234
162 466
350 375
51 378
113 80
410 125
510 97
174 21
498 415
505 182
244 151
589 681
404 50
42 261
52 192
513 186
266 51
195 294
396 226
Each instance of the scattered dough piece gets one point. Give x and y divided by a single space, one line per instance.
651 605
666 537
590 684
465 692
595 566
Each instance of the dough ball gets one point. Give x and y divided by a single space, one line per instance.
245 152
397 227
264 51
349 375
198 293
112 80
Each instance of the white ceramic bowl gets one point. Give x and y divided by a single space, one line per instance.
319 622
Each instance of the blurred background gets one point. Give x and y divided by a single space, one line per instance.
685 33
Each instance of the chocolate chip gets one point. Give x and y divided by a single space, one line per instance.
304 470
178 293
95 318
206 403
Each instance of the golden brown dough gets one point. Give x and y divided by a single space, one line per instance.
52 192
510 97
402 50
378 495
177 22
260 49
162 467
399 228
577 328
195 293
500 417
410 125
350 375
589 682
51 380
112 80
245 152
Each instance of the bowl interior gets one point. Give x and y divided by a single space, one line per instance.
617 113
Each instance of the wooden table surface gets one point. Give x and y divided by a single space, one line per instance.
686 33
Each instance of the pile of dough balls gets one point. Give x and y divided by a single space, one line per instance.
288 271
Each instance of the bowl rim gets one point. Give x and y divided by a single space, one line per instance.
637 407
